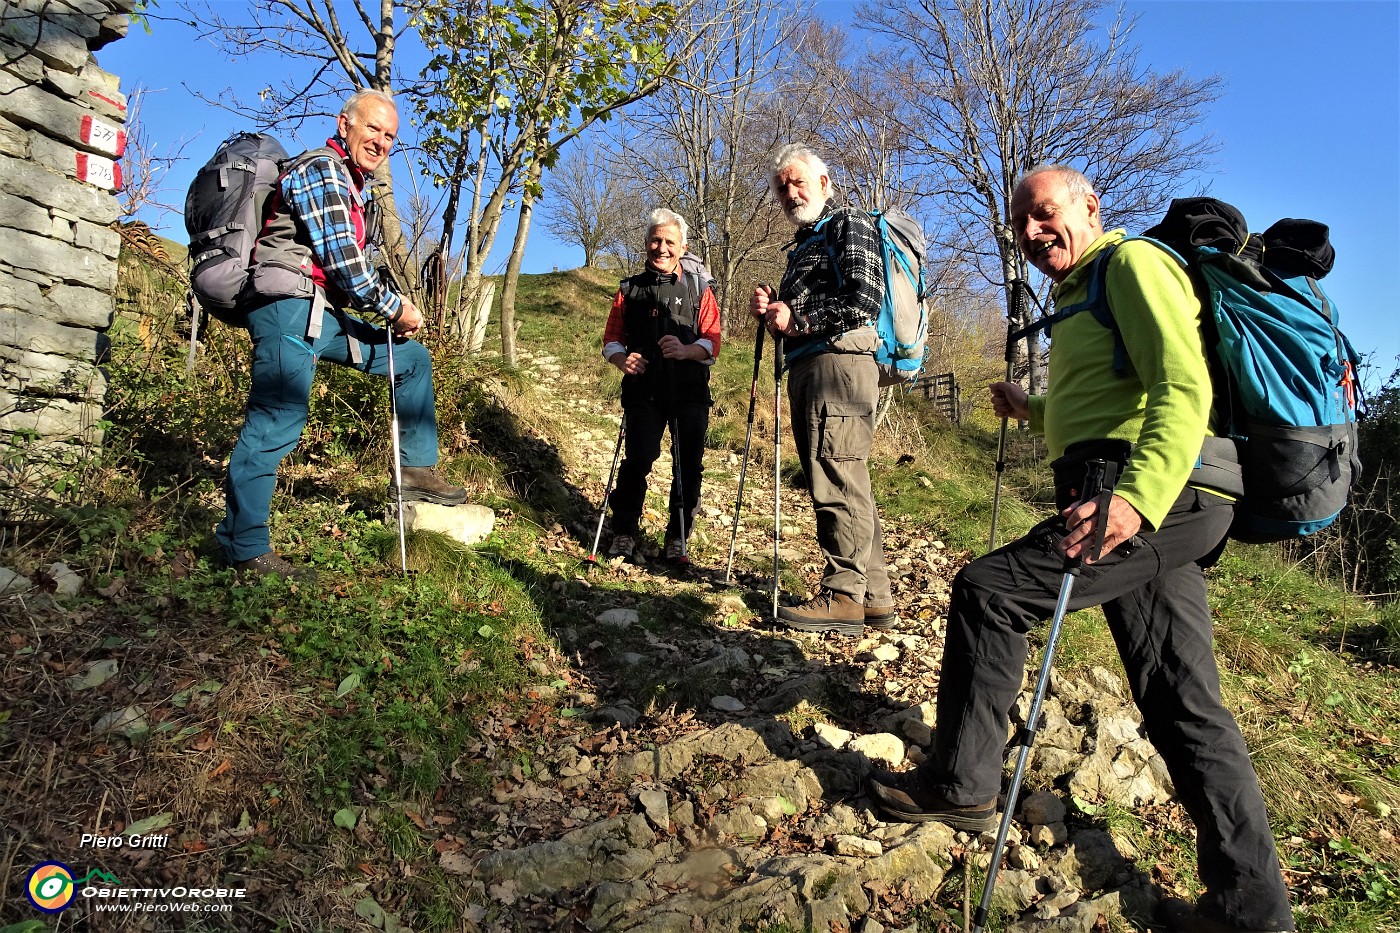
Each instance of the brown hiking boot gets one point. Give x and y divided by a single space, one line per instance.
423 484
825 612
900 794
271 565
881 617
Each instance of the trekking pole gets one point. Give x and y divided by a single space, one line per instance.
1098 483
777 459
607 491
394 431
748 439
1018 304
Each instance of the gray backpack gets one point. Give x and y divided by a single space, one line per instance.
223 216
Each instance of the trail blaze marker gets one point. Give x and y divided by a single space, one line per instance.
102 136
95 170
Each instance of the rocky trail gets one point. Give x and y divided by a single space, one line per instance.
733 799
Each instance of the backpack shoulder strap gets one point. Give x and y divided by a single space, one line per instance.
1096 302
694 289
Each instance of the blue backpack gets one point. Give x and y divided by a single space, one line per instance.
902 325
1284 374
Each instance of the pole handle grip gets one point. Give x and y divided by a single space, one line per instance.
1099 479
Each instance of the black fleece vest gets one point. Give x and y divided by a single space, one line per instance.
655 305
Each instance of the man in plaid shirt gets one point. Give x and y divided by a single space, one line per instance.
309 264
825 309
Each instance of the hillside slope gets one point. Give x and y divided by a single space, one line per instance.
514 739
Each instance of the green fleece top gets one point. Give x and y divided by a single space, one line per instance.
1163 404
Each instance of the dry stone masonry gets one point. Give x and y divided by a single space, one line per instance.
61 139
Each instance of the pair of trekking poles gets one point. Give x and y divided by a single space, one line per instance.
677 485
676 482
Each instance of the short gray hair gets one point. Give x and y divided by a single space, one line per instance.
665 217
1074 180
351 109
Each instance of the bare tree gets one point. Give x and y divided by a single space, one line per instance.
701 145
990 88
145 166
586 203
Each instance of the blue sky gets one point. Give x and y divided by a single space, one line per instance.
1309 122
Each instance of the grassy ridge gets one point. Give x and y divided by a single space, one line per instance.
333 721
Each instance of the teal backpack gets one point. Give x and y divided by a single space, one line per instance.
903 321
1284 374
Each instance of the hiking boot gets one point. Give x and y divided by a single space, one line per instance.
270 565
622 546
423 484
826 612
881 617
676 552
901 795
1187 918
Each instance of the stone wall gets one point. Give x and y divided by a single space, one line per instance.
61 136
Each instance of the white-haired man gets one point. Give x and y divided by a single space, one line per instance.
825 309
1163 526
310 262
663 333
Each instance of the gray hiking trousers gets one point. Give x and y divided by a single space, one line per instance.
1153 593
832 397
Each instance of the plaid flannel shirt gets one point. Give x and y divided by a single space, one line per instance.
829 299
319 195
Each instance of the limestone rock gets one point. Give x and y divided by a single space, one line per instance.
469 524
880 747
66 581
12 582
619 618
1043 807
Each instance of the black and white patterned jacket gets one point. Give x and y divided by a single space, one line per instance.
834 281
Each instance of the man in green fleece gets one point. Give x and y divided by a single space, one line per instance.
1161 532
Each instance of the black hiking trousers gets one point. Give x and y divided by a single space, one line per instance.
647 422
1153 593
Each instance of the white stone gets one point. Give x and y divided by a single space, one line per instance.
469 524
95 675
728 704
618 618
831 736
885 653
12 582
129 722
880 747
657 808
66 581
858 846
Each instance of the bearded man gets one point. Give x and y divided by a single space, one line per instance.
825 311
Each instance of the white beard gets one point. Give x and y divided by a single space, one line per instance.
805 213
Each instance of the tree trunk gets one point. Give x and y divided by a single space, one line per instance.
517 256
